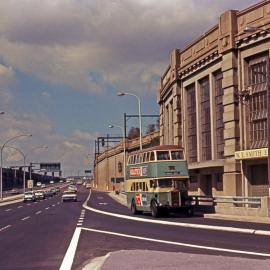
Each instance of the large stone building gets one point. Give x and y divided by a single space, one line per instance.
213 102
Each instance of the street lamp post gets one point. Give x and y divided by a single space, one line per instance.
252 29
1 160
140 114
124 147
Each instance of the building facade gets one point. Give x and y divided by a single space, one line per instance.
213 103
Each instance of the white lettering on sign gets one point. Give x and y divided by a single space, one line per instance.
135 171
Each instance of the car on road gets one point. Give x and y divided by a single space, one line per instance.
72 188
29 196
38 184
69 195
43 186
14 191
51 182
39 194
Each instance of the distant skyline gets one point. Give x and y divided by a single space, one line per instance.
62 63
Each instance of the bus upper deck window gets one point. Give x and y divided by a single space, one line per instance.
177 155
163 155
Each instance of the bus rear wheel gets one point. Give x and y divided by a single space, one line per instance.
154 209
133 208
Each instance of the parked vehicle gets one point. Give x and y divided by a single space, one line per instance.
38 184
29 196
69 195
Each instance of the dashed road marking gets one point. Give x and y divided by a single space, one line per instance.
4 228
103 203
47 208
7 210
53 205
38 212
20 206
25 218
29 204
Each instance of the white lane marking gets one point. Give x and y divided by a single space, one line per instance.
36 202
38 212
103 203
53 205
179 243
7 210
79 224
47 208
29 204
179 224
20 206
69 256
4 228
25 218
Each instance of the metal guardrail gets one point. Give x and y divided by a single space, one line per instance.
238 201
256 201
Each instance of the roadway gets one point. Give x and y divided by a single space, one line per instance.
37 235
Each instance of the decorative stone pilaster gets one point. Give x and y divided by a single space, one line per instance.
227 30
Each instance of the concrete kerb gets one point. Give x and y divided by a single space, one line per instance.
121 198
179 224
11 200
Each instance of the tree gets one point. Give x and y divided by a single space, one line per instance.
133 133
158 124
150 128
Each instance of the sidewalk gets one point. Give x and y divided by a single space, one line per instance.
153 260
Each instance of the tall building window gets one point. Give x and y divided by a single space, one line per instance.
219 115
205 118
192 126
257 116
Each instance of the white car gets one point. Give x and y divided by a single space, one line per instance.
51 182
72 188
39 184
29 196
69 195
39 194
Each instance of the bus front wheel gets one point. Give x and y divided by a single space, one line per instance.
154 209
133 208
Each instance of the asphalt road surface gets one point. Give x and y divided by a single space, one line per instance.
53 235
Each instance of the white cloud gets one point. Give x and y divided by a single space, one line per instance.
90 45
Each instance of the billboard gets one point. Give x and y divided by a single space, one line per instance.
50 167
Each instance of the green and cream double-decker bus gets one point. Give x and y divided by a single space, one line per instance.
157 181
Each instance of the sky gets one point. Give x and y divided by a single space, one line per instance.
62 63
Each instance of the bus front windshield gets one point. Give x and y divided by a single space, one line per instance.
170 183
